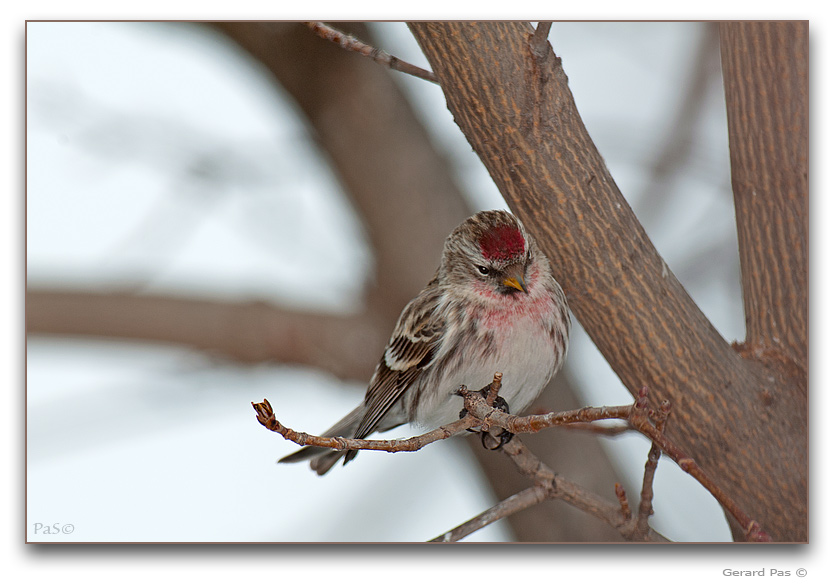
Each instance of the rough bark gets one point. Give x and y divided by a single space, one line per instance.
765 69
765 66
744 425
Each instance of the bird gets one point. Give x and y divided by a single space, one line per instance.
492 305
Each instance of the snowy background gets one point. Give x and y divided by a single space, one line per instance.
161 160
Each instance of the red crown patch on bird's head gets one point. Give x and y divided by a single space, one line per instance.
502 242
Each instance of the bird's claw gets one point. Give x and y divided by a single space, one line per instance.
500 404
504 437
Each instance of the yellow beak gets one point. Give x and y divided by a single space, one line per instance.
515 278
514 283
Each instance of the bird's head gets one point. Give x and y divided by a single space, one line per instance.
490 253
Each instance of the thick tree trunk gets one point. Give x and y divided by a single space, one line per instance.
743 422
765 66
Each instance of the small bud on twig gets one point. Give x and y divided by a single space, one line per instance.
623 499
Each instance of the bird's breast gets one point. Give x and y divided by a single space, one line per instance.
515 341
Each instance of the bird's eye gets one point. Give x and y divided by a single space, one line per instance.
483 269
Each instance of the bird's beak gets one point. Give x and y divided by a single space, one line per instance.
514 278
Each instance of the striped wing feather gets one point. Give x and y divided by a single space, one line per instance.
410 350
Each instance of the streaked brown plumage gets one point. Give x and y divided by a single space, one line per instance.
492 305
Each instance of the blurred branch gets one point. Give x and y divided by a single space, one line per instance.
509 506
402 189
351 43
676 144
251 331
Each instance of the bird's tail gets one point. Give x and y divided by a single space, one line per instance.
323 459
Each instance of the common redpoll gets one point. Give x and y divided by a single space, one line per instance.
492 305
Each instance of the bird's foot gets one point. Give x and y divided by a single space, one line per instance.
505 435
502 438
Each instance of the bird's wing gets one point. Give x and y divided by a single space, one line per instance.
410 350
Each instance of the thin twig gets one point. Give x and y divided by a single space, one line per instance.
599 430
638 415
494 388
552 487
560 488
639 420
266 417
644 510
476 405
351 43
513 504
621 497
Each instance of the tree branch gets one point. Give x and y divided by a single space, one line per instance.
538 43
513 504
519 116
351 43
550 485
639 417
644 510
765 67
482 414
575 453
402 189
625 509
607 431
266 417
347 346
558 487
